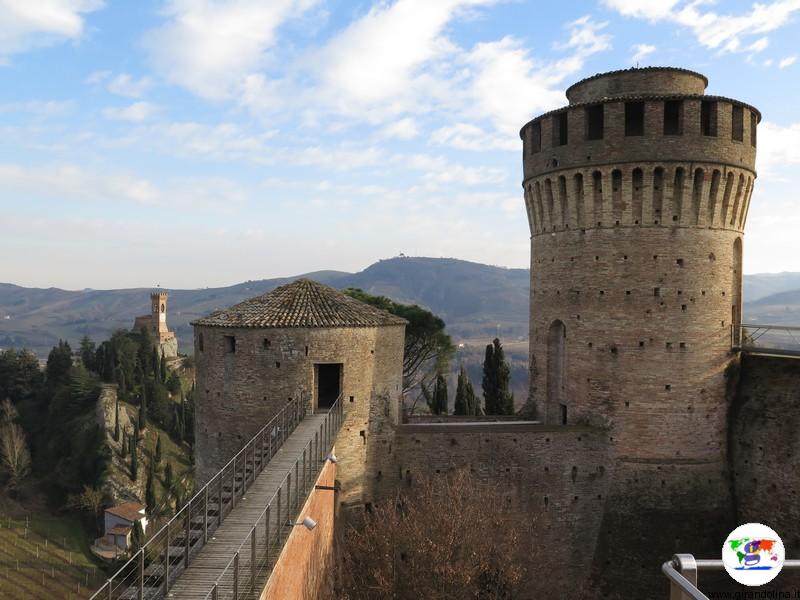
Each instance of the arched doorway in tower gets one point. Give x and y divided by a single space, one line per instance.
556 410
736 293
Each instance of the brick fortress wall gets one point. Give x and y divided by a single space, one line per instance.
765 451
554 481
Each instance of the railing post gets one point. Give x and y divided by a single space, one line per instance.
233 485
289 496
279 526
686 566
187 533
205 515
266 537
236 576
316 445
296 484
304 472
214 592
219 491
253 561
166 562
141 574
110 590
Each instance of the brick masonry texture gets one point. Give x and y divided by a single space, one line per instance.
303 565
238 392
765 449
553 480
636 246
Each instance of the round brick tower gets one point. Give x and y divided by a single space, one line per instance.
307 341
637 194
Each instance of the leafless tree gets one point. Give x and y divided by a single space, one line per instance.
14 455
444 538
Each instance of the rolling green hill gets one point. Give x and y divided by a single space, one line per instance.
476 301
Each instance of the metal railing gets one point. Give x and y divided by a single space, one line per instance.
250 564
151 572
769 339
682 571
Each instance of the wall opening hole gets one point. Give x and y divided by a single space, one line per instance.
230 344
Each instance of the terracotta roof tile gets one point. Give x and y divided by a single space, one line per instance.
302 303
130 511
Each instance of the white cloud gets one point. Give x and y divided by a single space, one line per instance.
74 183
210 47
712 30
136 112
26 24
468 136
509 86
652 10
759 45
126 85
377 61
641 51
40 108
404 129
777 147
787 62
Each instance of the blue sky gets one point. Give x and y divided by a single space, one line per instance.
193 143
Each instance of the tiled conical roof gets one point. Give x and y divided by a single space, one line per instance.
302 303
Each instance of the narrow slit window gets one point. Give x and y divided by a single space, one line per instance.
708 118
737 123
634 118
753 123
536 137
594 122
200 342
560 129
673 110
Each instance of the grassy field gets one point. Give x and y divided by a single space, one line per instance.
45 557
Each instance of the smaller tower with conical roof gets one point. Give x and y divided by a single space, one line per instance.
302 340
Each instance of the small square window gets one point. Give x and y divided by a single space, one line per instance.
634 118
230 344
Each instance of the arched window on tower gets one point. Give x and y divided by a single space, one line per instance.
736 292
556 373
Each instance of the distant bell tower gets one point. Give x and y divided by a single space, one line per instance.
158 303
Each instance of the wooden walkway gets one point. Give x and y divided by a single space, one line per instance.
196 582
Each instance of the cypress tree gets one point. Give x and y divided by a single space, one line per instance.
138 536
437 401
498 400
124 449
143 410
135 433
466 401
150 490
163 368
156 371
134 461
158 450
168 475
116 419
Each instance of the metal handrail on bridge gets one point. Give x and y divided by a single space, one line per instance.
682 570
150 572
249 564
767 339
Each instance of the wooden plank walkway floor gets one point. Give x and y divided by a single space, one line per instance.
196 582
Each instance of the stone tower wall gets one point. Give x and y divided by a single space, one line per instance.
236 393
636 254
